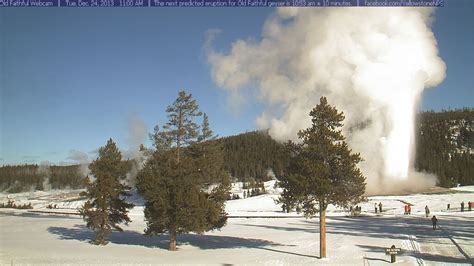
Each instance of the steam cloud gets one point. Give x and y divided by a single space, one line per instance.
373 64
82 159
137 134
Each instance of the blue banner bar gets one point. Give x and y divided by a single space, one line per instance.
221 3
28 3
103 3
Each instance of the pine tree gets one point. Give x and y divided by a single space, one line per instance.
106 207
177 200
206 132
209 155
322 170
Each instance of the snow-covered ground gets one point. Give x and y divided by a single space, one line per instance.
36 238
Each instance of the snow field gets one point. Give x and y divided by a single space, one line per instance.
32 238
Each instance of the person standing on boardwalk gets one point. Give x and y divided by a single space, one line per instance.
462 206
427 211
380 207
406 209
375 205
435 222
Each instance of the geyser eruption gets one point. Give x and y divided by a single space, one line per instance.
373 64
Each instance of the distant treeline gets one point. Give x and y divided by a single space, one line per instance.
19 178
445 147
66 177
248 156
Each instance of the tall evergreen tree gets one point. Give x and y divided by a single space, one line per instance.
206 131
209 155
106 207
171 181
322 169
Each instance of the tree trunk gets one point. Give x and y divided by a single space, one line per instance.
172 246
322 233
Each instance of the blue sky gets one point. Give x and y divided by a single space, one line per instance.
72 78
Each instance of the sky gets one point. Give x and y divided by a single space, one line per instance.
72 78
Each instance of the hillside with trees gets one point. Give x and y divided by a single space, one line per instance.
445 147
253 155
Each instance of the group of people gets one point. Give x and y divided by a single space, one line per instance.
378 207
407 209
434 220
470 204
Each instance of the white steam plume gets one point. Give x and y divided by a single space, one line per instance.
44 169
82 159
137 134
373 64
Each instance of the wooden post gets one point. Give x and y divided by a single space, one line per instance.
172 246
322 233
392 251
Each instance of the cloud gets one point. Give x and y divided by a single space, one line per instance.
78 156
94 153
30 157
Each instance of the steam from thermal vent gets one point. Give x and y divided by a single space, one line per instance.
372 64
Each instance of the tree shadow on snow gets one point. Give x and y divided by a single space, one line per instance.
390 227
376 259
40 215
290 253
381 227
83 234
308 229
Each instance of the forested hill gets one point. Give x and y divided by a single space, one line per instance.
445 146
253 155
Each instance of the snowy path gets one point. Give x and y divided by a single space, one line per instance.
440 246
